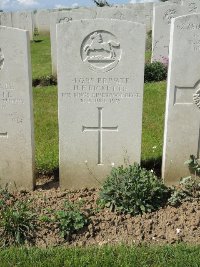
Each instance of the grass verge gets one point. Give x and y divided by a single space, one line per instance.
46 128
41 56
117 256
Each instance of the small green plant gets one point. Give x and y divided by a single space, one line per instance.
189 187
177 196
193 165
133 190
17 221
155 72
70 219
5 196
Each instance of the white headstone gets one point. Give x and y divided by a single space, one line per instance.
182 118
100 84
143 13
162 16
23 20
43 21
5 19
16 118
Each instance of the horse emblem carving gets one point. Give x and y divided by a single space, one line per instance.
101 52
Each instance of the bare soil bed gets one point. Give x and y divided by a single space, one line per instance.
167 225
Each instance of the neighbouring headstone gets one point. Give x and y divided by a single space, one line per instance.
5 19
16 117
182 118
178 2
162 15
23 20
143 13
43 21
100 87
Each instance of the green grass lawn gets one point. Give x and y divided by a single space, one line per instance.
46 128
46 122
41 56
116 256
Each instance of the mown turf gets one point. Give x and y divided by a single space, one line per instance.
153 120
46 128
41 56
119 256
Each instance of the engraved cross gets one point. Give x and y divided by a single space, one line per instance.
189 96
100 129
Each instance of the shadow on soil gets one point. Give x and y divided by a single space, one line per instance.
47 181
154 164
50 180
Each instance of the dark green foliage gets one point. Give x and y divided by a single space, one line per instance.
155 72
70 219
194 166
17 220
45 81
133 190
149 41
189 187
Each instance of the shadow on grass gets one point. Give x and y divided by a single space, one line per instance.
38 41
154 164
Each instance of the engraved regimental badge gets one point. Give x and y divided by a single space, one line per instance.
1 59
101 51
196 98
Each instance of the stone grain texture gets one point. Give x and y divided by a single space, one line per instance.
182 130
16 118
100 83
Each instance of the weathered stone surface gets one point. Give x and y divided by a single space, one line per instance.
62 17
23 20
100 98
6 19
43 21
191 6
181 138
162 15
16 118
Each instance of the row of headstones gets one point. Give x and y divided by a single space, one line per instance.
100 89
21 19
46 21
161 12
140 13
162 15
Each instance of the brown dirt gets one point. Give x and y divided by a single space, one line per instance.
167 225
